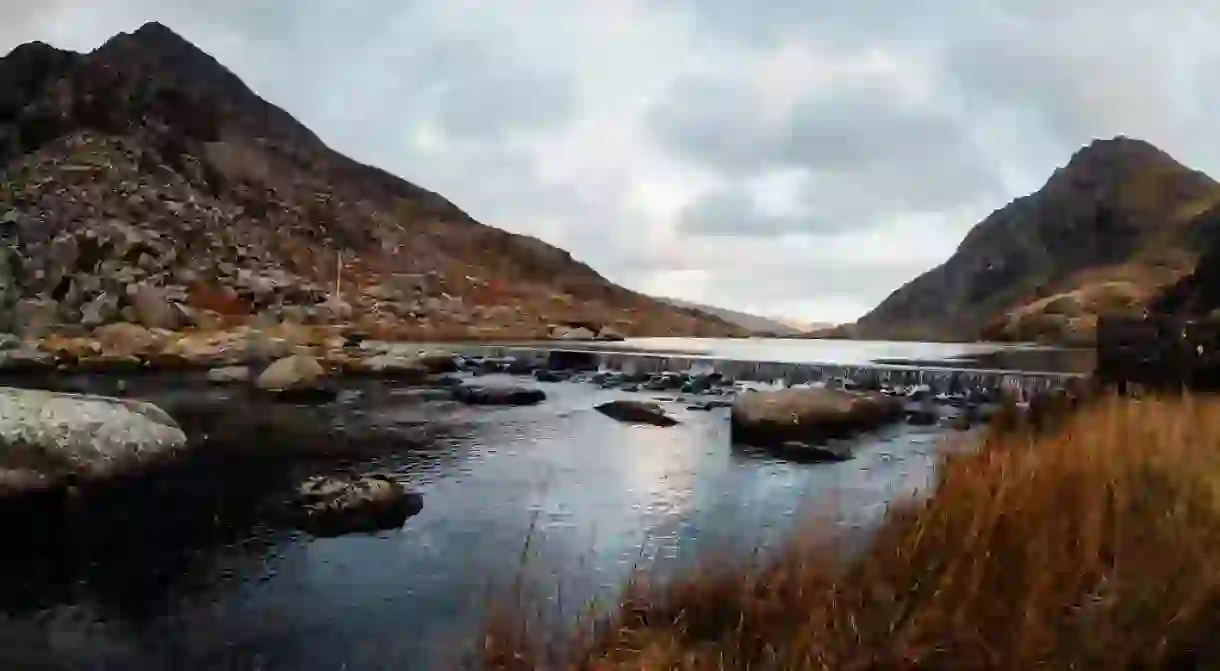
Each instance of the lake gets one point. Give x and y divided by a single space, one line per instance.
220 588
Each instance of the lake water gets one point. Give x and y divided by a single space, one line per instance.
1026 357
221 588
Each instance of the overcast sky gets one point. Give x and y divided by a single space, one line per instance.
799 159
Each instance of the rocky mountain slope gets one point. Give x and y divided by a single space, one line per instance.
1106 233
145 182
752 323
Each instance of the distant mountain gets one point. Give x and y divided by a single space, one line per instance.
1106 233
147 174
750 322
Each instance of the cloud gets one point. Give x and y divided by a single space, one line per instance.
800 158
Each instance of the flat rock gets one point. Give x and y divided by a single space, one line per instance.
636 412
49 439
495 395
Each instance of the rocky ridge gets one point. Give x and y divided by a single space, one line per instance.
1106 233
144 183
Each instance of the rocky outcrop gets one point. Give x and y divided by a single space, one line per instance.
50 440
636 412
1106 232
768 418
144 182
332 506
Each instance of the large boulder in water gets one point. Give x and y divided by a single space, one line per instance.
331 506
296 376
809 414
50 439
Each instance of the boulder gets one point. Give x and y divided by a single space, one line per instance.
332 506
636 412
809 415
480 395
104 308
295 376
229 375
48 440
154 310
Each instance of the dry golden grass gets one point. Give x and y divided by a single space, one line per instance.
1092 546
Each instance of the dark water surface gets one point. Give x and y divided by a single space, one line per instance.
223 588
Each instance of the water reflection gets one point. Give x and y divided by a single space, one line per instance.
595 498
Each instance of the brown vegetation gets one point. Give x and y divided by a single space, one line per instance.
1089 546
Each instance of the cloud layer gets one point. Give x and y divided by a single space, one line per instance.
798 159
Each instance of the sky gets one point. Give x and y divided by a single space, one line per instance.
791 159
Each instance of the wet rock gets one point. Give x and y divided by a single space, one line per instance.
49 439
26 361
809 415
229 375
489 395
711 404
795 450
636 412
297 376
696 385
552 375
922 413
572 360
332 506
437 363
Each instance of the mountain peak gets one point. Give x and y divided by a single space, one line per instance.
1119 149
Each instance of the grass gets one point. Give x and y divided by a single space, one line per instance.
1092 544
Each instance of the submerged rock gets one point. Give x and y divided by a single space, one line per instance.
795 450
332 506
51 439
809 414
479 395
636 412
390 365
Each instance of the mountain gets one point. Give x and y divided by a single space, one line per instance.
1107 232
750 322
145 181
